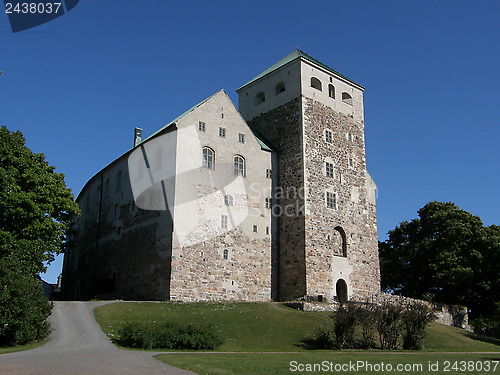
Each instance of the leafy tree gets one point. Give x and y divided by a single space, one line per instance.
446 255
35 212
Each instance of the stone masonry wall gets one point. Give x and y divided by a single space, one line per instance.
354 212
283 127
118 249
201 273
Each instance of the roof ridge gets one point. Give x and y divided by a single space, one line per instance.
181 116
297 53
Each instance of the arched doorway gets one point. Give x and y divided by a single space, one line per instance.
341 289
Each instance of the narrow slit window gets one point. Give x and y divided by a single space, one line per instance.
331 91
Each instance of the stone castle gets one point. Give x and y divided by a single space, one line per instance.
272 201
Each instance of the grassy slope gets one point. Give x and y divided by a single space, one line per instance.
262 327
242 326
20 348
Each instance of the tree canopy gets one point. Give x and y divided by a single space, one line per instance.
36 209
446 255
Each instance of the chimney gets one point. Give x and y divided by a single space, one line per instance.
137 136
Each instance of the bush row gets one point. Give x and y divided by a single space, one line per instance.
167 336
356 325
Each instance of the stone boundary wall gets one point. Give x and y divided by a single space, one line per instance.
450 315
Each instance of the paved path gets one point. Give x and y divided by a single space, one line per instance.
79 347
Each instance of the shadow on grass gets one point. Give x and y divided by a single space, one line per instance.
489 340
313 344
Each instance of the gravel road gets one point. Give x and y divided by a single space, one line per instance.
79 347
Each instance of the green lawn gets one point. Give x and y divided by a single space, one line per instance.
331 362
242 326
273 328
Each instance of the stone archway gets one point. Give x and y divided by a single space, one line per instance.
341 289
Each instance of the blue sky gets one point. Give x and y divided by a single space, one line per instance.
78 85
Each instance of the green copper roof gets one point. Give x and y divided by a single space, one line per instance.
293 56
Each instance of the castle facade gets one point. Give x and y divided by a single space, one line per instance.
269 202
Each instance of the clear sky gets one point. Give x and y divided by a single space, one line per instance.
78 85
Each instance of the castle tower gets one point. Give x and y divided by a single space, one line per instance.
324 197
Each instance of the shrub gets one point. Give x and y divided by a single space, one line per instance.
167 336
366 319
416 317
389 325
323 339
344 326
23 308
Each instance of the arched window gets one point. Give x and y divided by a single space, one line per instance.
208 158
346 98
316 83
340 241
331 91
341 289
260 97
279 88
239 165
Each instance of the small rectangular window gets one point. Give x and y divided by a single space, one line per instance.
222 132
328 136
331 200
255 228
329 169
223 221
201 126
350 162
268 202
241 138
267 230
228 200
268 173
350 137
